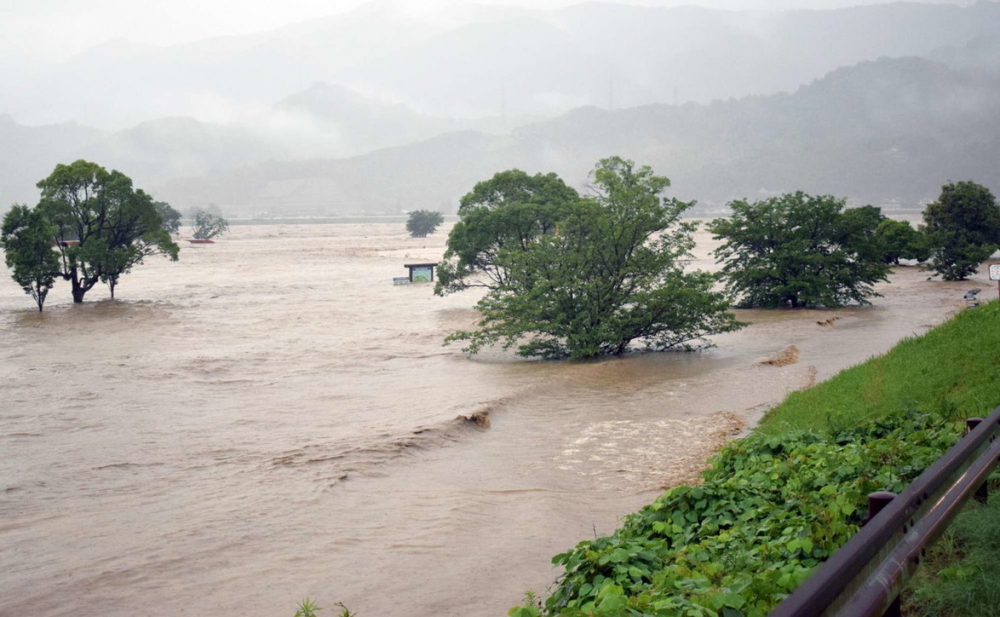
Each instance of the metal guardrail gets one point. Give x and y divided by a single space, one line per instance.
865 577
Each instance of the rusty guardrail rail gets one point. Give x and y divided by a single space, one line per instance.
865 576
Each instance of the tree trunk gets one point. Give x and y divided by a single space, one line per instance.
78 291
81 286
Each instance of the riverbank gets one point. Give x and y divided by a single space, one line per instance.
776 504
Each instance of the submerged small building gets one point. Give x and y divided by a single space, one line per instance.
419 273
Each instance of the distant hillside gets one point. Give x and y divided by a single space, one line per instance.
982 53
889 131
28 154
159 150
151 153
324 121
334 121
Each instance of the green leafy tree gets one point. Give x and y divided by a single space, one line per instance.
171 218
507 212
103 226
963 229
860 230
612 274
208 225
798 250
899 240
28 251
422 223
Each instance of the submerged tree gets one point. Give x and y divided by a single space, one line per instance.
171 218
799 250
612 274
899 240
963 229
103 227
422 223
208 225
507 212
28 251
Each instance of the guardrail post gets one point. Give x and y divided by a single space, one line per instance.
982 494
877 501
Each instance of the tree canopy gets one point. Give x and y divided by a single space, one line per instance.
208 225
101 227
28 251
612 273
799 250
963 229
507 212
899 240
422 223
171 218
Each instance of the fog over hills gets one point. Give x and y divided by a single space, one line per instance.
382 108
887 132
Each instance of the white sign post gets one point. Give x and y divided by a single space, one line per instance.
995 276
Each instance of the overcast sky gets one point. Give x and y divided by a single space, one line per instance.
48 30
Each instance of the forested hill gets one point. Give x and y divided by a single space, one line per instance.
891 130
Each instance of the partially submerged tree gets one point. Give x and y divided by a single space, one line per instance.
798 250
171 218
899 240
208 225
963 229
859 229
612 274
422 223
103 226
507 212
28 251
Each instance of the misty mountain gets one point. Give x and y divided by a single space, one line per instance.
473 61
325 121
155 151
890 131
334 121
981 53
29 154
150 153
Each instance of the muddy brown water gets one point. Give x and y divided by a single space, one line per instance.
270 419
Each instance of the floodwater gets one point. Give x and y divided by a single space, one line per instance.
270 419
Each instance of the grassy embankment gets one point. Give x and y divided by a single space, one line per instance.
776 504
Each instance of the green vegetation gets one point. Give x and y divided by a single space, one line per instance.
800 250
899 240
959 577
27 239
963 229
505 213
776 504
951 369
422 223
99 226
770 510
612 273
208 225
171 218
309 608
